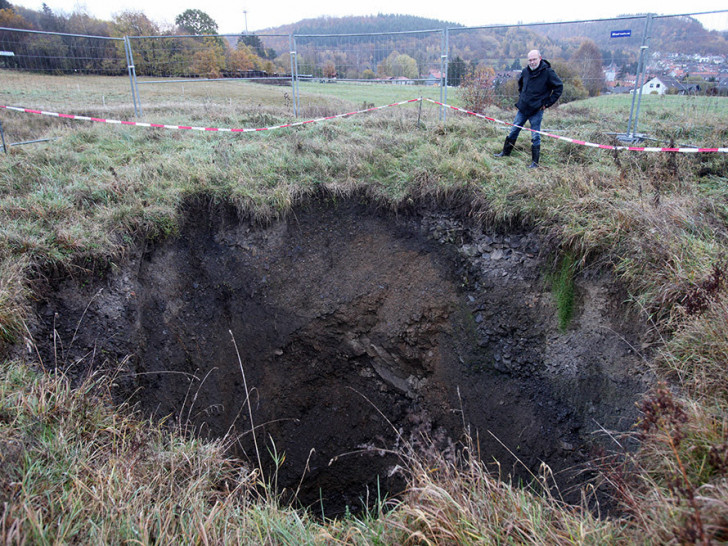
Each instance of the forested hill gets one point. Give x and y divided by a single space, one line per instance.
679 34
361 25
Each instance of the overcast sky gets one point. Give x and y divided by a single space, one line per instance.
231 18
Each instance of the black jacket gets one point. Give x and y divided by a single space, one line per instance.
537 88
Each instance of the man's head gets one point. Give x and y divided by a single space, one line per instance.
534 59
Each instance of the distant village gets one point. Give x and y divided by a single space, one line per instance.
673 74
676 74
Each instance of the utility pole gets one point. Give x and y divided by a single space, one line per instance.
245 14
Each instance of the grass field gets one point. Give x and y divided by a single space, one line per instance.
91 93
73 468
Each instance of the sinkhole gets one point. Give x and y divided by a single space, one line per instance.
338 334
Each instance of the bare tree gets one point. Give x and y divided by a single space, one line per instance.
587 61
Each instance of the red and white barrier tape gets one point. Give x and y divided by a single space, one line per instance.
299 123
210 129
582 142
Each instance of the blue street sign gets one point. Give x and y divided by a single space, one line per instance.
621 33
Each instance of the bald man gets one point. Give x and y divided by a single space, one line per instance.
538 88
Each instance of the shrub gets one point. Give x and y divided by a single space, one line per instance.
477 89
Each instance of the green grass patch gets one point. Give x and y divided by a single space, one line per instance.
563 289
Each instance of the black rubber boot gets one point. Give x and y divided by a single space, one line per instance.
535 156
507 148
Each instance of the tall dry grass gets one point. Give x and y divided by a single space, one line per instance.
76 469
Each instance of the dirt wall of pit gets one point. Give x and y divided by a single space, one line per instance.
356 332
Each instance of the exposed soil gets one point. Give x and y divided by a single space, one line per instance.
358 331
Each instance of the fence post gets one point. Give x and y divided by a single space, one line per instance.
640 80
294 73
2 136
132 77
443 72
643 51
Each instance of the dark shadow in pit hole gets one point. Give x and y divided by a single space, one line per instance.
361 333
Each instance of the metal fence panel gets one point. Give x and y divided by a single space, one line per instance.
31 61
402 59
595 57
189 61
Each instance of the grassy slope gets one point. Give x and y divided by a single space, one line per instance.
72 467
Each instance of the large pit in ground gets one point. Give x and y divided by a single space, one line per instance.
357 331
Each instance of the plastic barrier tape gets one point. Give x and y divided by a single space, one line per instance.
337 116
584 143
209 129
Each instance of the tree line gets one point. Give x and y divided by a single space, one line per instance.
192 47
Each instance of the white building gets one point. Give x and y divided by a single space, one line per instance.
661 85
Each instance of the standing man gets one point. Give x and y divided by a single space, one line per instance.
538 88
